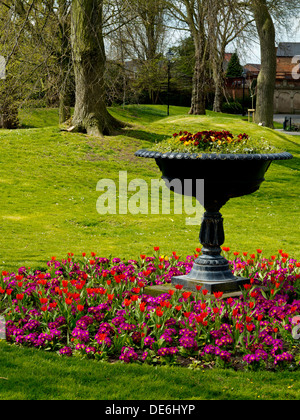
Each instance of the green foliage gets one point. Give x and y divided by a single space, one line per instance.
184 62
234 68
151 77
233 107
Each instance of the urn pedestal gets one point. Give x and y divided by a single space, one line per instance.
225 176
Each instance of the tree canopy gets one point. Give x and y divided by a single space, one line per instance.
117 49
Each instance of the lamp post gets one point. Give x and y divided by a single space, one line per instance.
169 58
244 75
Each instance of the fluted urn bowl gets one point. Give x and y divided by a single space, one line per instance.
225 176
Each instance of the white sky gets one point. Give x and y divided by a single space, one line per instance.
253 56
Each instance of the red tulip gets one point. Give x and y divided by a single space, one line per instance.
235 312
43 300
159 312
142 306
127 302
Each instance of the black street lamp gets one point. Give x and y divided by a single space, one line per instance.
169 54
244 75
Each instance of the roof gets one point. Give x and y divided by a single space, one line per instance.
251 66
288 49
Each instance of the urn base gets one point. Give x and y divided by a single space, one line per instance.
188 283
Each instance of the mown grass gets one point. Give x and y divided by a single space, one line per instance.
29 374
48 181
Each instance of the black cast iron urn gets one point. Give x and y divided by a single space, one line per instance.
225 176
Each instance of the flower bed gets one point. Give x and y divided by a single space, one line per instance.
212 141
97 308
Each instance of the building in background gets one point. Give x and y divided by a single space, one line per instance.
287 92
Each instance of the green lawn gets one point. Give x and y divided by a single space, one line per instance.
29 374
48 181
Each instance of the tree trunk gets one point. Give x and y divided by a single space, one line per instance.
90 114
64 109
65 88
218 99
219 85
198 89
267 76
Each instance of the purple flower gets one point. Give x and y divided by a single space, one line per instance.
84 322
90 350
210 349
149 341
258 355
32 324
224 340
225 355
128 355
79 346
66 351
82 335
167 351
283 357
